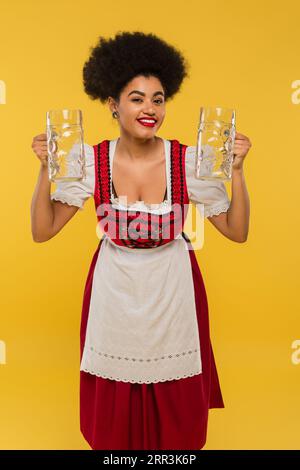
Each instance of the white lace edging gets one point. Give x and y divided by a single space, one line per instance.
180 367
144 206
217 209
120 379
71 201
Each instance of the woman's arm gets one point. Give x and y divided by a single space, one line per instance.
47 217
234 224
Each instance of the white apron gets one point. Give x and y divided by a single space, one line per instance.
142 325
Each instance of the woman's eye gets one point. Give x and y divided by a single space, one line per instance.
139 99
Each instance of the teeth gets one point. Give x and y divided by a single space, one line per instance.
147 120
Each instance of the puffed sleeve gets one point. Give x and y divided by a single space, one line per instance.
211 193
76 193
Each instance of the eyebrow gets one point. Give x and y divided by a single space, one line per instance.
143 94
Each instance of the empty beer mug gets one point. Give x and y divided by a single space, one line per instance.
215 141
65 145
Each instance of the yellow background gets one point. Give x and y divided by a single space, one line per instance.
243 55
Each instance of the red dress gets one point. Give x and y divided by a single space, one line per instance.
169 415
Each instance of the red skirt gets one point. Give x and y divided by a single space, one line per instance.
169 415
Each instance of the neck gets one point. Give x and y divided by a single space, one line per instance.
137 148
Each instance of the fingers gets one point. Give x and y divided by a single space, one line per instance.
42 153
40 148
239 136
242 140
41 137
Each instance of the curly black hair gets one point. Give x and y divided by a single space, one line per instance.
115 61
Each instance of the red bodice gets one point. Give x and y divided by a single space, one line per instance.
138 228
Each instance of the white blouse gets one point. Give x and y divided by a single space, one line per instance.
142 323
212 194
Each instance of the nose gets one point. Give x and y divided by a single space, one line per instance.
149 109
149 112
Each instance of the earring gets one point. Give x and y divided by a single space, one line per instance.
115 114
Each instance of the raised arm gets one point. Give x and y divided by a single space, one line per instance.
47 217
234 224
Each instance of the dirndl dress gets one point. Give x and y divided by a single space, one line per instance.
148 375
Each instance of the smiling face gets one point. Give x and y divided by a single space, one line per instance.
143 97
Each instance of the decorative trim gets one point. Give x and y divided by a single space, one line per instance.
121 379
223 206
66 198
104 195
133 359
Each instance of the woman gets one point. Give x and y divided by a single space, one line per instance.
147 373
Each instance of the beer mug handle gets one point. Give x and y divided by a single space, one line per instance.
51 141
53 165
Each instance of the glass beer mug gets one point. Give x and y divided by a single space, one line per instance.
215 140
65 145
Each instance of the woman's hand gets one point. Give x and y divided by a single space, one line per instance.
39 146
241 147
